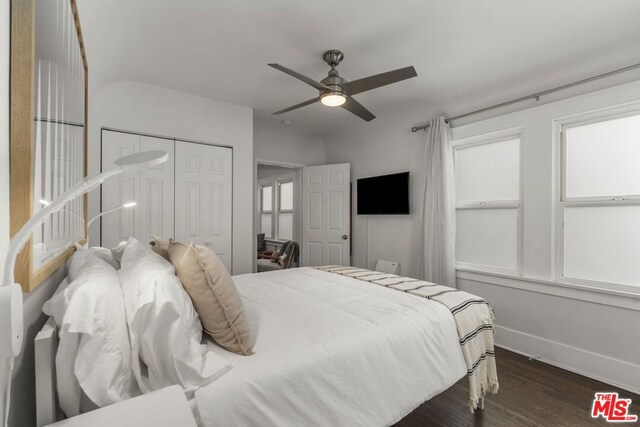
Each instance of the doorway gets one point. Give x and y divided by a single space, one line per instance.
278 194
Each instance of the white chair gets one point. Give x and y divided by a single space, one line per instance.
264 259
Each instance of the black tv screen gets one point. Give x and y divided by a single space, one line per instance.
384 195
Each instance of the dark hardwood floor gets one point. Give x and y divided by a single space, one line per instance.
531 393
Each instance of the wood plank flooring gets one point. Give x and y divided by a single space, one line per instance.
531 393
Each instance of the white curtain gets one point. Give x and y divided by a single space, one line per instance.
438 221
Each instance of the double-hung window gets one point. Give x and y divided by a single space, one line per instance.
488 208
277 208
599 218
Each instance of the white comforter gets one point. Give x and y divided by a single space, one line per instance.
332 351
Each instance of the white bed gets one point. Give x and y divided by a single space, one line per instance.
329 350
332 350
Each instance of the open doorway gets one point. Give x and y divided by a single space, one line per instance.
278 215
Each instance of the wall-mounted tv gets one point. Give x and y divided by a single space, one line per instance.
384 195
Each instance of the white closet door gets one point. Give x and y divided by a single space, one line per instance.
203 197
156 208
152 190
120 189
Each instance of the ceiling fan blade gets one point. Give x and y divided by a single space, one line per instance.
356 108
383 79
299 76
302 104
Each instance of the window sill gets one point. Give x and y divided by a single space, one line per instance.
563 289
487 269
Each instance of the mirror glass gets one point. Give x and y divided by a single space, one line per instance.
58 103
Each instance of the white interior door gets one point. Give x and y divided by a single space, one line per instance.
203 197
326 212
152 190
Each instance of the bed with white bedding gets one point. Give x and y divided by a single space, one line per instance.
331 345
332 350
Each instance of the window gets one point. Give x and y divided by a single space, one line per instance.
266 215
600 201
277 207
285 210
488 209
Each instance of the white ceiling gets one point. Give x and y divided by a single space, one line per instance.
468 53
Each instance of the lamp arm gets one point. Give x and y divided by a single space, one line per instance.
72 213
103 213
22 236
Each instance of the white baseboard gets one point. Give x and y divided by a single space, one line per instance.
618 373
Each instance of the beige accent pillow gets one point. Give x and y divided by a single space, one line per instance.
160 246
214 295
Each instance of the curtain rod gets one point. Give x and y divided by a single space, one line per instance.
536 95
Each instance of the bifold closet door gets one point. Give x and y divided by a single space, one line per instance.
203 197
152 190
156 192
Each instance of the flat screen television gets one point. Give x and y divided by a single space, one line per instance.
384 195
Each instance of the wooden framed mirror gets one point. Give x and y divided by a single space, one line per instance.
48 131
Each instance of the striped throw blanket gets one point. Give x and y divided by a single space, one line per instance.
473 316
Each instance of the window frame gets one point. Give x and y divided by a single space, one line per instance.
279 210
517 204
274 182
563 201
261 188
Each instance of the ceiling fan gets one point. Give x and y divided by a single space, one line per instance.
337 92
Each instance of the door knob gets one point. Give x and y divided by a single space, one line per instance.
207 243
345 237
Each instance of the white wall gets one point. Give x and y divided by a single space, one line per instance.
276 142
593 333
267 171
574 327
23 390
385 145
145 108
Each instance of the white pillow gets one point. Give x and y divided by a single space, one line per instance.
102 253
165 331
117 252
94 353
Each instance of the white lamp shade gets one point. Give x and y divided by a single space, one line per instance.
142 160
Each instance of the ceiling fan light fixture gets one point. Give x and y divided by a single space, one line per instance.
333 99
334 91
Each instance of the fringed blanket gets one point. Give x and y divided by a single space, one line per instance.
473 316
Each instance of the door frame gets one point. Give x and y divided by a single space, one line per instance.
297 208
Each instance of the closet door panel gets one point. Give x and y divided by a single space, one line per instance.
156 204
204 197
120 189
